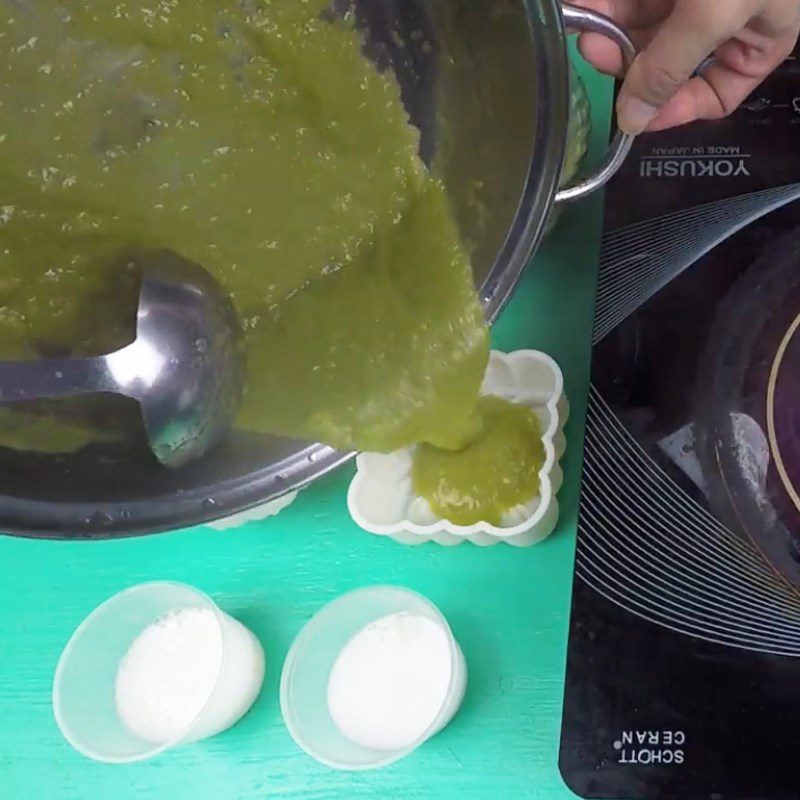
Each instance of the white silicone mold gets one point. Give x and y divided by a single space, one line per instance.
257 514
381 499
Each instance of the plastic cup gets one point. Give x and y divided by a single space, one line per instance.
83 688
304 681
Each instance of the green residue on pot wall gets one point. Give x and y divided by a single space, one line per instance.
258 141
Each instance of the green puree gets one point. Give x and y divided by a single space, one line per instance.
497 472
254 138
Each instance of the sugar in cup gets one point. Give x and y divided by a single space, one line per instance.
85 689
338 638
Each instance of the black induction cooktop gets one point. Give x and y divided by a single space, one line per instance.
683 677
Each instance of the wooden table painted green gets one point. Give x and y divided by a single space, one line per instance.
508 608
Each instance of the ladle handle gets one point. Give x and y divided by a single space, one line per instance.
39 380
583 20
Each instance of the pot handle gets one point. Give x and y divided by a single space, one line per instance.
583 20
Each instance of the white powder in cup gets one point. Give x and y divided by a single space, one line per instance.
168 674
390 681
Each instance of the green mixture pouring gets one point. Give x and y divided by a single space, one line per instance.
256 139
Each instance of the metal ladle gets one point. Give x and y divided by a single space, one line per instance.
185 367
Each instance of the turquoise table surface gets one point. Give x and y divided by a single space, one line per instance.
508 608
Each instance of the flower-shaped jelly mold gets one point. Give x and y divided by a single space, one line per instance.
381 499
257 514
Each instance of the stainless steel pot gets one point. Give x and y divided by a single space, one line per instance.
487 83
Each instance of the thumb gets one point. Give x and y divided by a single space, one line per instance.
693 31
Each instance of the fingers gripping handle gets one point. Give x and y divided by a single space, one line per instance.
586 21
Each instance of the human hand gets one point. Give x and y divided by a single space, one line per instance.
748 39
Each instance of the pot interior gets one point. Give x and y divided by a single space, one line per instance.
485 82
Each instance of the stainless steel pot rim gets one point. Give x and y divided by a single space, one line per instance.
199 505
